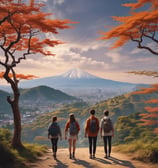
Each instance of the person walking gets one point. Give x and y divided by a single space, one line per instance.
106 132
54 132
72 129
91 130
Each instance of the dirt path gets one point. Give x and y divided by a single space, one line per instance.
117 160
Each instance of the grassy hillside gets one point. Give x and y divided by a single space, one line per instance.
124 111
124 105
11 158
44 93
34 97
37 131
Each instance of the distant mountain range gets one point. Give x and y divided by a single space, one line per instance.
83 85
75 78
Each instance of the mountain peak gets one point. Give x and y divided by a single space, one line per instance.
77 74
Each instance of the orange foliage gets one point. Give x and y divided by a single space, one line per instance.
140 3
22 32
134 27
152 109
152 101
153 89
26 22
151 117
147 122
19 76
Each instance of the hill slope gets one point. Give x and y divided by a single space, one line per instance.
46 94
81 84
36 97
119 106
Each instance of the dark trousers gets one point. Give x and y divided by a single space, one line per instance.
92 144
54 142
107 144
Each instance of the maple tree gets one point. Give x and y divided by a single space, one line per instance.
151 116
21 29
140 27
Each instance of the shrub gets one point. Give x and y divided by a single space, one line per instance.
6 155
141 150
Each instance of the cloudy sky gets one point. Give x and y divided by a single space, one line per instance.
84 51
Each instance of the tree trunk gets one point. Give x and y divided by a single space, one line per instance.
16 140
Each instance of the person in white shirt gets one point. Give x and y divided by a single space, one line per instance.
106 132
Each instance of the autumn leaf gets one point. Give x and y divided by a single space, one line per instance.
19 76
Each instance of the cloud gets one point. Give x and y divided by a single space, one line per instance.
67 56
82 50
58 2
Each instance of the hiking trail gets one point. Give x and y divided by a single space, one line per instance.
117 160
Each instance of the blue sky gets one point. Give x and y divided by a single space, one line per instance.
84 51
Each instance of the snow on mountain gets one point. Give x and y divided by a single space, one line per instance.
77 74
81 84
76 78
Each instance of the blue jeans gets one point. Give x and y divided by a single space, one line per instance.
92 144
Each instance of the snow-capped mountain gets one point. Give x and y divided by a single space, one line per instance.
77 73
75 78
83 85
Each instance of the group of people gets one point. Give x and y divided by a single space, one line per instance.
92 129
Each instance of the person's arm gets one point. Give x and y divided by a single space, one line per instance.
60 134
66 129
112 129
101 128
97 125
48 131
86 129
78 126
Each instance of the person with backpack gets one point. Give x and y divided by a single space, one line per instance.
91 130
54 132
72 129
106 132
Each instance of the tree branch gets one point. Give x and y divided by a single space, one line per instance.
141 40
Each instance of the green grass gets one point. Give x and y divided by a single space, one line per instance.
13 158
141 150
10 157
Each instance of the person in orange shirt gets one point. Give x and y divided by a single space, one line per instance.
91 130
72 129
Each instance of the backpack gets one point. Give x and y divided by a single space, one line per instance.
54 129
93 126
107 125
73 130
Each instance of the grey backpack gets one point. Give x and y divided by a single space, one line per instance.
73 128
107 125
